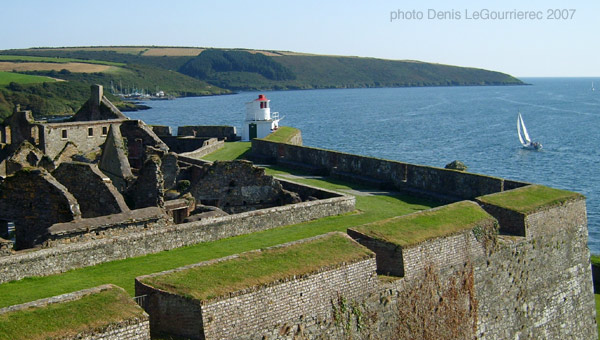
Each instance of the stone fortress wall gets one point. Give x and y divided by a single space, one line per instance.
139 232
474 283
450 185
238 314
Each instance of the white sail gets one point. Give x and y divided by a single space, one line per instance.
521 126
519 130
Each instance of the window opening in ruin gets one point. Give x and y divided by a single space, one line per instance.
104 131
7 230
90 132
64 134
12 234
35 135
7 135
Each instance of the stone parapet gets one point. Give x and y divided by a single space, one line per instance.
65 257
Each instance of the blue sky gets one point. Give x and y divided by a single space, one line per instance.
533 47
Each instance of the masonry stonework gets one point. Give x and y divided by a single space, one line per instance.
81 179
539 286
98 249
47 202
248 314
449 185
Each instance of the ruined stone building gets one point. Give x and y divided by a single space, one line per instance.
99 163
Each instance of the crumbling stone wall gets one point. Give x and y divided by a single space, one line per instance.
96 228
98 107
20 127
170 170
148 189
185 144
162 130
238 186
77 133
114 162
208 147
139 136
93 190
439 305
34 200
5 247
219 132
26 155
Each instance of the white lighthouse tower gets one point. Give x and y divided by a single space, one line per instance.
259 120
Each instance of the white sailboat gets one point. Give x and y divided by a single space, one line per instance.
593 88
524 139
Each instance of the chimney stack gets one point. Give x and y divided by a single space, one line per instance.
97 93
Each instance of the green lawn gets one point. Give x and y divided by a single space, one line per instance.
283 134
56 60
69 318
9 77
231 150
529 198
416 228
260 268
123 272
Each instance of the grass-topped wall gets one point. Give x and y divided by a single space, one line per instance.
79 315
446 234
252 270
285 134
535 209
243 295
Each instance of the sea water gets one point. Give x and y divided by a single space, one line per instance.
436 125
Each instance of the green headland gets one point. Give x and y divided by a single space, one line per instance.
180 71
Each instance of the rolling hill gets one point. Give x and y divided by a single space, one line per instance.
194 71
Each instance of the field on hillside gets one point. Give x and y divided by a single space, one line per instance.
46 66
25 58
10 77
117 49
172 52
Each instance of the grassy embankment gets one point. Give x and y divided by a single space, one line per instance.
232 150
416 228
69 318
283 135
255 269
123 272
528 199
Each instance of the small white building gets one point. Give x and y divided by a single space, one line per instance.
259 120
